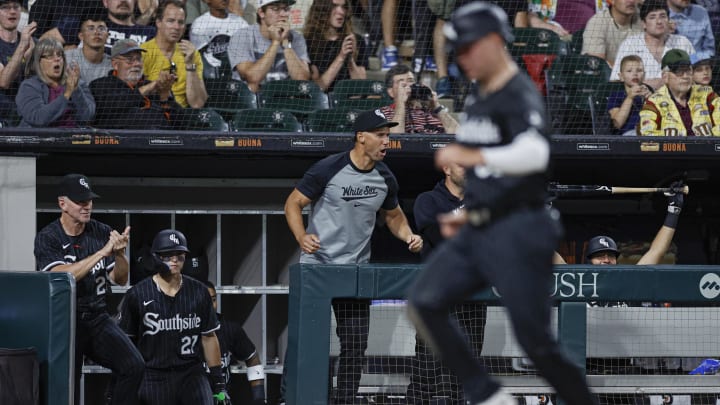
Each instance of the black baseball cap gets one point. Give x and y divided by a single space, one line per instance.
369 121
76 187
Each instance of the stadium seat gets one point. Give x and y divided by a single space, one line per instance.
266 119
333 120
297 96
536 49
362 94
204 119
212 72
576 43
229 96
601 123
571 80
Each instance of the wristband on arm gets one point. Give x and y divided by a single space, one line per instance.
672 217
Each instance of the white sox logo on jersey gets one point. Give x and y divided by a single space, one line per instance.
482 131
155 325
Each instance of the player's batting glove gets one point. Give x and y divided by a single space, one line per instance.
258 394
217 380
675 204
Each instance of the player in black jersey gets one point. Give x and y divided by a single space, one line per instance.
236 345
95 254
509 237
171 319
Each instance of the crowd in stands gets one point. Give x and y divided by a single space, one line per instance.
196 43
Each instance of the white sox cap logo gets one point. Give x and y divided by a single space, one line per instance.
379 114
84 183
174 239
604 242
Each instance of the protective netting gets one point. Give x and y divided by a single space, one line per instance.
310 66
638 353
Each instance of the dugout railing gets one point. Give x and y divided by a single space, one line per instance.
37 310
692 333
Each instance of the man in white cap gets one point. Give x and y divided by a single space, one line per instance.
269 50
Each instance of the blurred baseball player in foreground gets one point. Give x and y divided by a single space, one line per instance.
509 236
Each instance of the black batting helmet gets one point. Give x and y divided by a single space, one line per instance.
475 20
169 240
602 244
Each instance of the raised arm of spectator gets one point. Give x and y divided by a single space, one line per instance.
83 102
344 59
537 22
254 72
23 52
296 57
194 85
147 9
620 115
449 122
400 95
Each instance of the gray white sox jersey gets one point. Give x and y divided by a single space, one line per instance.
343 194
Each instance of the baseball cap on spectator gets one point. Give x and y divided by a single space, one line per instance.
371 120
698 60
76 187
263 3
675 58
123 47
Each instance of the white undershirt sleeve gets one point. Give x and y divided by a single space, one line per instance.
528 153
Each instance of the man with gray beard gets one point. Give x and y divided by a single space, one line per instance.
125 100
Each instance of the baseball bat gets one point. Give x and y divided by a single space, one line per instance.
575 190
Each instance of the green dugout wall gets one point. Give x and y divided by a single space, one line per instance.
36 310
312 288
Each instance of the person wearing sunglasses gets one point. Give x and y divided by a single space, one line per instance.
680 108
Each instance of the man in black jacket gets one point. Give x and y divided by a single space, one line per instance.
124 99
